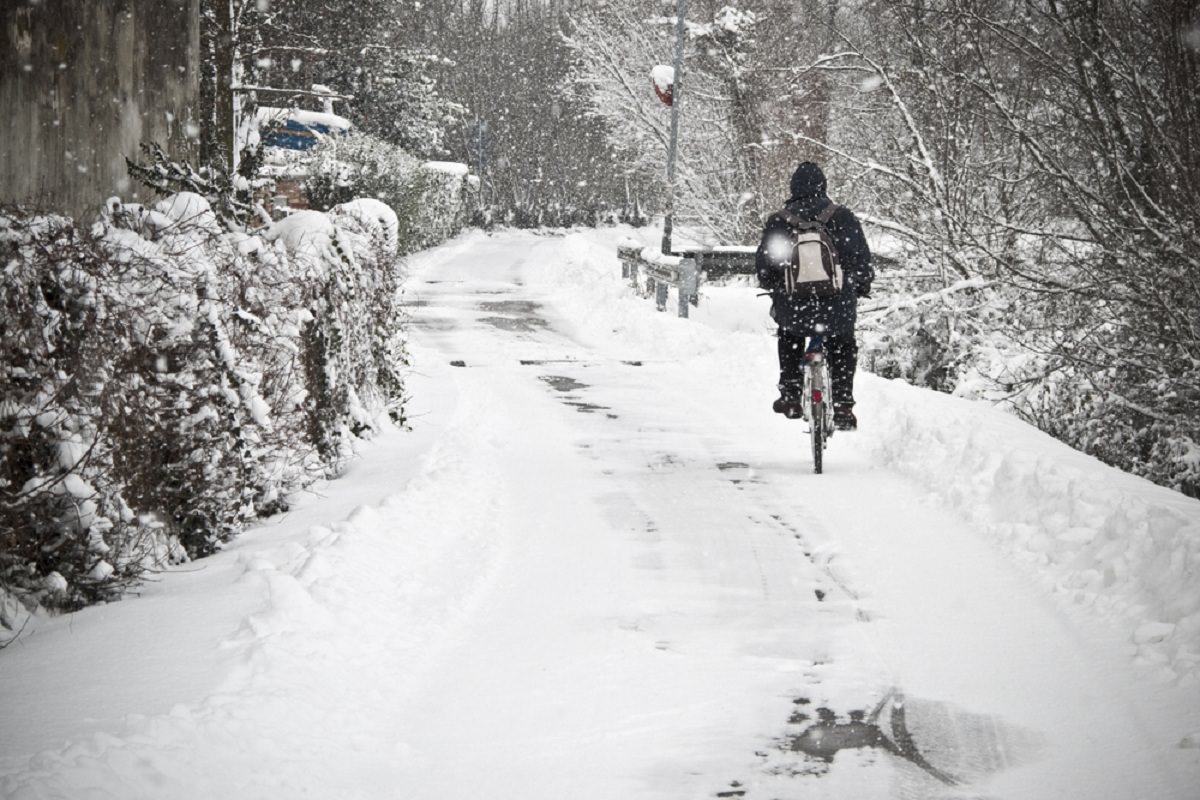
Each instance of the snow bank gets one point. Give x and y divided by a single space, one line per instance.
1104 540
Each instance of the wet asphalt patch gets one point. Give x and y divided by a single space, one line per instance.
561 383
524 308
516 324
945 749
568 385
521 316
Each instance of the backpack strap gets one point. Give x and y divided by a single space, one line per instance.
789 219
794 220
827 213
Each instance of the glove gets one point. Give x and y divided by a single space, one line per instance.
862 290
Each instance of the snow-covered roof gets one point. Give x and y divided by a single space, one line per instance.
309 119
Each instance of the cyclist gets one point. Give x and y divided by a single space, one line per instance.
833 317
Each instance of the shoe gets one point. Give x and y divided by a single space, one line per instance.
788 402
843 417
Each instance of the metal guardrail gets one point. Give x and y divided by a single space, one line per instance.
653 273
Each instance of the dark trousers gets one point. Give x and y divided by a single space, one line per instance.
841 352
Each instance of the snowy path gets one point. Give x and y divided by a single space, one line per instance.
599 567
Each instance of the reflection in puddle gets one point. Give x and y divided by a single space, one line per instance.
827 736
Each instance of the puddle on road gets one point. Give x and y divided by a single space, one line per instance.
562 383
523 319
825 738
590 408
541 362
565 384
516 324
950 747
523 307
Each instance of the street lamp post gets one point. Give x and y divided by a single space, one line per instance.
673 142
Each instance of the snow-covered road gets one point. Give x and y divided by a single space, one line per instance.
600 567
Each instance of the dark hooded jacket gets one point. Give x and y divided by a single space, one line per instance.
802 316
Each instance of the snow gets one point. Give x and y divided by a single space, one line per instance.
870 84
55 582
308 233
310 119
187 207
598 566
454 168
663 77
101 571
373 215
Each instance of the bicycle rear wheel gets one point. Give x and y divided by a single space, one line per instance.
817 429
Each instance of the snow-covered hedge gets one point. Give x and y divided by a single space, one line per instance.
163 380
432 200
1130 403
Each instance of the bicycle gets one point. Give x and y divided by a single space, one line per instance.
814 399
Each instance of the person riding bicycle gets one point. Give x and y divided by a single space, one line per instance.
833 317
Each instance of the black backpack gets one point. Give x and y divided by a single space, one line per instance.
810 262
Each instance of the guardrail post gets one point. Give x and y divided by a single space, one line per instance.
629 255
689 285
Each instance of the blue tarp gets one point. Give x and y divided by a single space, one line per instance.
297 136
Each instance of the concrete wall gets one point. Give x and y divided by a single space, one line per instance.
82 83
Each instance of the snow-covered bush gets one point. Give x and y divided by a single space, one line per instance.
164 380
1100 385
67 536
432 201
447 201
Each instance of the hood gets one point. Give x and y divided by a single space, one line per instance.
807 181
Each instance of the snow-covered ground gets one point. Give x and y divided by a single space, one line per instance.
600 567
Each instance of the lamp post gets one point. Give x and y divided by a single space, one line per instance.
673 142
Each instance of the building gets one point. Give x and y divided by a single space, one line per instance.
83 83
